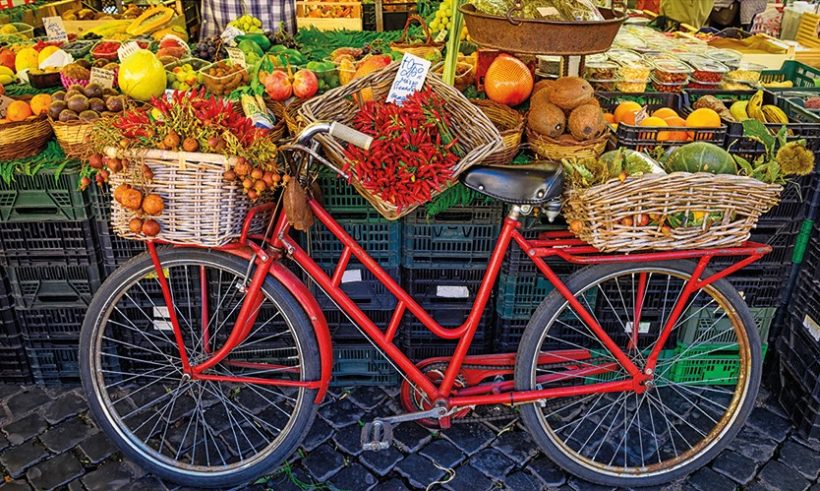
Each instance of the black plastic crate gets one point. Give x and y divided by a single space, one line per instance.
54 362
14 364
8 322
58 242
53 286
52 323
794 201
762 286
361 365
436 289
100 198
508 334
457 238
342 200
419 343
806 299
745 147
781 236
803 409
115 250
360 285
381 239
800 352
341 329
46 196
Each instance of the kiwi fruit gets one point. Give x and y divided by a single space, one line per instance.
92 90
547 119
96 104
570 92
56 107
586 122
78 103
68 115
89 115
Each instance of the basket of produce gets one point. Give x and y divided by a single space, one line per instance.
292 118
464 76
566 120
279 112
180 180
428 49
74 113
698 197
575 28
510 124
449 135
25 130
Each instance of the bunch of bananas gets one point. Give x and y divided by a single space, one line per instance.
441 22
755 109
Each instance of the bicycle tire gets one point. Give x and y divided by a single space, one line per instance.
574 460
114 288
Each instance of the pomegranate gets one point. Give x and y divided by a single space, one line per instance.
278 86
305 84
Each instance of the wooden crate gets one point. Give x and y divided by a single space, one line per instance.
80 26
34 17
352 19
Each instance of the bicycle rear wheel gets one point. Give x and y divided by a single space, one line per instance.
704 387
196 432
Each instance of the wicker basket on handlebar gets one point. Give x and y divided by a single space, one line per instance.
201 208
669 211
475 132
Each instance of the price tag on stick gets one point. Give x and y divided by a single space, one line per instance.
409 79
55 29
105 78
236 56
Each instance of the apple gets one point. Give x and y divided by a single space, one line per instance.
7 58
278 86
305 84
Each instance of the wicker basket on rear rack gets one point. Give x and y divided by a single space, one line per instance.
714 211
201 208
476 134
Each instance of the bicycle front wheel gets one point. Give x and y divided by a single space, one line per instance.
201 433
704 387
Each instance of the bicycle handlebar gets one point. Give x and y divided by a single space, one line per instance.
337 130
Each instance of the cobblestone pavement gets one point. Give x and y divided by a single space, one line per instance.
48 441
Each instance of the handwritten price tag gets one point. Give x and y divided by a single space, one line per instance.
236 56
105 78
641 115
229 34
409 79
127 49
55 29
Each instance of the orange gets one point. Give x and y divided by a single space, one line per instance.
703 118
18 111
677 136
625 109
664 112
609 118
654 122
39 104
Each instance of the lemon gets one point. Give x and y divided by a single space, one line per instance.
8 29
26 59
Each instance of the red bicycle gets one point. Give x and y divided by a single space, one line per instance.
207 366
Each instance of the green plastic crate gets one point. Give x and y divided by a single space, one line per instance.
791 101
716 366
361 365
706 326
800 74
608 377
44 196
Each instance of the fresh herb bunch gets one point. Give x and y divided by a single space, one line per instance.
413 152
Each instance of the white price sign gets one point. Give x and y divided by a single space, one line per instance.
105 78
55 29
409 79
236 56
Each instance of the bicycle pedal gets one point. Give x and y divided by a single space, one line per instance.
377 435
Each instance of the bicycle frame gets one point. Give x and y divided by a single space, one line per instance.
560 244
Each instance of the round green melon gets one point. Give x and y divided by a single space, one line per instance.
701 157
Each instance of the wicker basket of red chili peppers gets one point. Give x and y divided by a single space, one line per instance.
420 146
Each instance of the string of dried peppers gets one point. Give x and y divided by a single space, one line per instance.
413 152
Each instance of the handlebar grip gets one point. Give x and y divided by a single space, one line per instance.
349 135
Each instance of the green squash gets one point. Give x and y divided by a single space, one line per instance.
701 157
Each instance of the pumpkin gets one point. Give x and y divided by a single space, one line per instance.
508 81
701 157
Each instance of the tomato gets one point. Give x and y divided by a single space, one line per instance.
508 81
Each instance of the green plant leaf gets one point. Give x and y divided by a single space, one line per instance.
757 131
744 165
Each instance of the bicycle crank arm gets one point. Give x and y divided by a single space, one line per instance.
378 434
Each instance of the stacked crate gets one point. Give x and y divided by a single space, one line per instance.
799 346
51 262
115 250
356 361
443 262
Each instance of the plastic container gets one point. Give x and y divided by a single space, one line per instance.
360 285
191 82
79 49
437 289
728 57
670 71
799 74
624 56
54 362
222 77
361 365
115 250
668 86
706 71
379 237
633 76
602 75
22 32
742 76
46 196
106 49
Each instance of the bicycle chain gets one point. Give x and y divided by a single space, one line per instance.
506 410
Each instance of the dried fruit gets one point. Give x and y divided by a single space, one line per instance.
132 199
171 140
150 228
153 204
242 167
257 173
135 225
96 161
229 175
119 192
190 145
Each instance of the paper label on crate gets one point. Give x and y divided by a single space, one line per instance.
641 115
55 29
162 319
352 276
103 77
548 12
643 327
812 327
452 292
127 49
4 104
236 56
409 79
229 34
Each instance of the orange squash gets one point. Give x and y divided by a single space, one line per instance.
368 66
508 81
